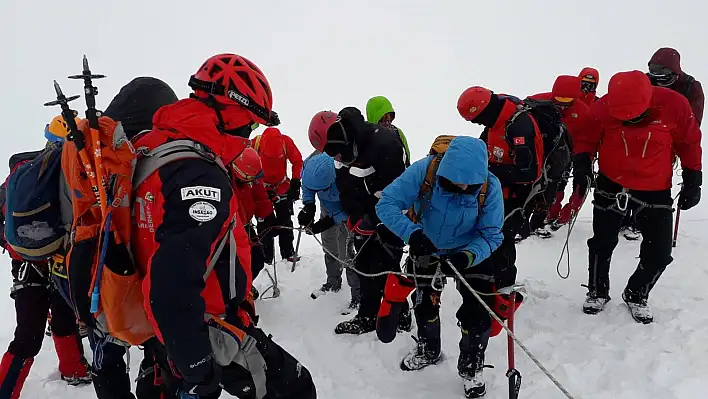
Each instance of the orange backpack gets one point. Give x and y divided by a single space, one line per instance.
105 284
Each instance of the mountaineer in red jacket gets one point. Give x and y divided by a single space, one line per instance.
665 71
567 96
590 78
635 130
190 244
246 172
275 150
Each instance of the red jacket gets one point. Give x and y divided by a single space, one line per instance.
570 115
671 59
183 210
275 150
253 200
639 156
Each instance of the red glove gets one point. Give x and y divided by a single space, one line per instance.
363 227
570 209
555 210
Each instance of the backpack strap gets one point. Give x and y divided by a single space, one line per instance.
170 152
482 196
690 80
426 189
257 143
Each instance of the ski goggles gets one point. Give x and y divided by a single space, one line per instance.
662 75
588 78
587 86
563 102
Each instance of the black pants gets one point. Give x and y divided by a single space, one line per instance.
655 221
34 297
109 371
377 253
283 215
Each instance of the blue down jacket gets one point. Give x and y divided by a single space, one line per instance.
318 178
451 221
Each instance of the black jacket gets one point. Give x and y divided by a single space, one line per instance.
379 162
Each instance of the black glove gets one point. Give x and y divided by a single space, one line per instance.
307 214
690 194
461 260
206 387
582 173
420 244
321 225
266 227
294 192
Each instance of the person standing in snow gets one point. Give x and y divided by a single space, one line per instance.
665 71
465 235
246 172
275 150
635 129
368 157
34 296
590 78
567 96
379 110
506 132
318 179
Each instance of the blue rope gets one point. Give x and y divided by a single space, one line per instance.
96 294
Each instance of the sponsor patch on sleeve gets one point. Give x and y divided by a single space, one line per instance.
202 211
519 141
201 192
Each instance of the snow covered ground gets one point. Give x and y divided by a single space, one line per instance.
322 54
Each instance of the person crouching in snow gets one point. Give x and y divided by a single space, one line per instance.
635 129
454 227
246 170
318 178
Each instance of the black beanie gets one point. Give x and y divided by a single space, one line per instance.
137 102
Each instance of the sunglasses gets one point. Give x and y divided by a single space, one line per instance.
662 75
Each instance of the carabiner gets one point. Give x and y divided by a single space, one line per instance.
619 197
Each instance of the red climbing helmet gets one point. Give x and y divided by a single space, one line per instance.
233 79
320 123
247 166
473 101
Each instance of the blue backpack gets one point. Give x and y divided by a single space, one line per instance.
33 223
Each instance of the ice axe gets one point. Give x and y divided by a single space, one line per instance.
676 227
512 373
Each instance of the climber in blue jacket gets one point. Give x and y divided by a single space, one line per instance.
318 176
461 222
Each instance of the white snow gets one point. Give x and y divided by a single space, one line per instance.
322 54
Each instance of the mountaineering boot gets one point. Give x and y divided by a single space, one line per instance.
598 283
72 365
631 233
358 325
254 293
423 355
405 320
13 372
351 308
543 232
638 307
470 364
326 287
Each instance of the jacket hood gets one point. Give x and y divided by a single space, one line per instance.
272 143
192 119
376 108
465 161
137 102
567 86
669 58
591 72
629 94
318 173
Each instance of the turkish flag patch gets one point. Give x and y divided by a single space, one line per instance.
519 141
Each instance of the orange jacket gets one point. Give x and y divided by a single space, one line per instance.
275 150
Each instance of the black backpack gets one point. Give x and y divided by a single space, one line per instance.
557 152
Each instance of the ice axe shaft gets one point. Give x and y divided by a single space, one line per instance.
297 250
676 226
513 374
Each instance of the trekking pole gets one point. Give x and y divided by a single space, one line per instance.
297 249
92 115
676 227
513 374
75 135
